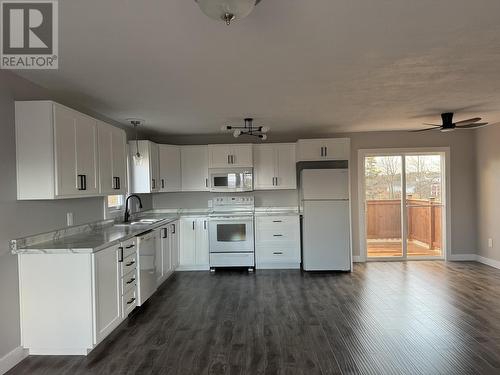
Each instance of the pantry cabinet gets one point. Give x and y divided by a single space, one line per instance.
112 144
193 251
274 166
56 152
170 168
144 171
231 155
323 149
194 168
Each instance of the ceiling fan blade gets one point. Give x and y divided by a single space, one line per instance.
472 126
469 121
426 129
426 123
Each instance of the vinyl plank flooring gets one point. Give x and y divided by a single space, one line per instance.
384 318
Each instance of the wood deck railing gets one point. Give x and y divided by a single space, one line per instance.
383 219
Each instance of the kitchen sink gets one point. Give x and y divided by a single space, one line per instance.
140 222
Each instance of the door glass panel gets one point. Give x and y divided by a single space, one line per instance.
383 193
424 186
231 232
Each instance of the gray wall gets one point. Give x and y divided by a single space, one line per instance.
282 198
21 218
488 177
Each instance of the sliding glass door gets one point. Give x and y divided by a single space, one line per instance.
405 225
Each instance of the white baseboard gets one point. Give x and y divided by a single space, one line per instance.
489 262
463 257
358 259
11 359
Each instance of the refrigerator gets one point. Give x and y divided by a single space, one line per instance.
326 229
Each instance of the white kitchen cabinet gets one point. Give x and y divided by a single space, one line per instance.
145 173
193 246
164 258
170 168
70 302
107 291
56 152
112 143
231 155
274 166
277 241
323 149
174 244
194 168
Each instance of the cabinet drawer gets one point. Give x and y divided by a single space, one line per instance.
129 302
128 265
278 254
286 234
129 281
129 247
276 222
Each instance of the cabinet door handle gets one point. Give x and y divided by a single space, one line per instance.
173 228
163 183
131 280
322 151
278 253
116 183
228 159
326 151
80 182
129 246
277 235
193 225
131 301
206 182
165 233
84 182
204 224
277 221
130 263
120 254
153 183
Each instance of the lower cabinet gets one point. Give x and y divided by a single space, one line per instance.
277 241
167 251
193 250
88 296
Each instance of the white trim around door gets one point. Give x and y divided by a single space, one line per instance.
362 153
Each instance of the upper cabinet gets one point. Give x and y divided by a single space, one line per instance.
323 149
170 168
144 171
56 152
112 143
194 168
223 156
274 166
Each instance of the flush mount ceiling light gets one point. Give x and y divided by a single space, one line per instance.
227 10
248 129
138 157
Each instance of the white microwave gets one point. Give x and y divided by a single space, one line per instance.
231 179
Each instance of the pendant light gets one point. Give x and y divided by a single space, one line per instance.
227 10
138 157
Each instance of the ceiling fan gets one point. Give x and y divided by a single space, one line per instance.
448 125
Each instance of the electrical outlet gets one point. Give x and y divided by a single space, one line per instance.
490 242
69 219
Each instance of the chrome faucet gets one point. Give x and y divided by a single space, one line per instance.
127 213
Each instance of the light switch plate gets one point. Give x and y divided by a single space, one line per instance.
69 219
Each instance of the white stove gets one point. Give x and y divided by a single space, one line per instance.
231 232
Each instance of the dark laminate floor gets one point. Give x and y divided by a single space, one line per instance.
385 318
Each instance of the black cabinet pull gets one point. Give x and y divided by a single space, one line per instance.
120 254
173 228
165 233
116 183
205 224
130 263
193 225
326 151
206 182
277 221
163 183
131 280
129 246
277 235
131 301
278 253
82 183
153 182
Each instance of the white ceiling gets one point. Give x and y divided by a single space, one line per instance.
327 65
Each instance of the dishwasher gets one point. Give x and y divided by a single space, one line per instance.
146 253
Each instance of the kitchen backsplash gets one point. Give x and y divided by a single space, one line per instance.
277 198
